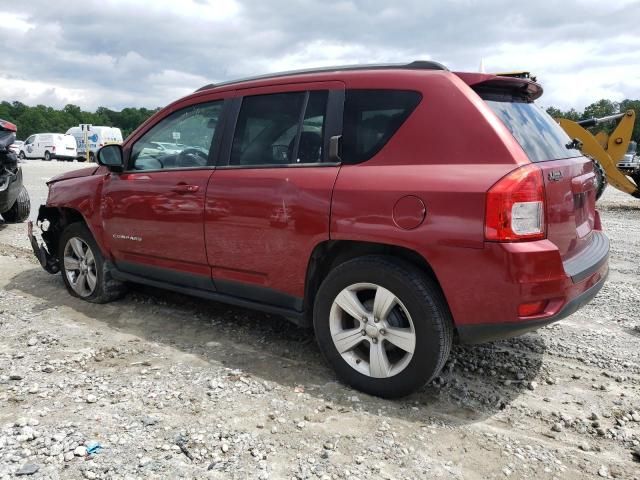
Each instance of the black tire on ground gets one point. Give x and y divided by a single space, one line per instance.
107 288
22 155
423 300
20 209
601 178
47 156
92 157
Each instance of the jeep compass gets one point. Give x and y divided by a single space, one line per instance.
393 208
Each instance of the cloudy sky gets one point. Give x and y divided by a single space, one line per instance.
119 53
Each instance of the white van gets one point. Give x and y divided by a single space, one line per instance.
49 146
98 137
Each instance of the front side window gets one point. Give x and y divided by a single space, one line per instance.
371 118
181 140
280 129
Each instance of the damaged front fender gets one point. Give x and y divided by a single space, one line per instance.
49 223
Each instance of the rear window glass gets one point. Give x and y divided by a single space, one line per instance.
538 134
371 118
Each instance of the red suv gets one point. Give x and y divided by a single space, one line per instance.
394 207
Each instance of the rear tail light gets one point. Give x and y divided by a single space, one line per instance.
515 207
53 149
8 126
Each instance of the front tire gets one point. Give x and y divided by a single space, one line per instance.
84 271
22 155
383 325
20 209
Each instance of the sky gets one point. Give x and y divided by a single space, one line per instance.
147 53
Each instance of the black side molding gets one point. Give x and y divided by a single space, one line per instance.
295 316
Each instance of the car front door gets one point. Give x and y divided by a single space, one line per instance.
28 147
268 203
153 212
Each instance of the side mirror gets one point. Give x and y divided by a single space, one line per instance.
112 157
335 148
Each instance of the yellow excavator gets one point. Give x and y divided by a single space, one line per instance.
613 154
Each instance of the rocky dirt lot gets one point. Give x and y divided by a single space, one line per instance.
159 385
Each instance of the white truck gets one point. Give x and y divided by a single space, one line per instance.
49 146
98 137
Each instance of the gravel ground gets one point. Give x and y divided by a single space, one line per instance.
159 385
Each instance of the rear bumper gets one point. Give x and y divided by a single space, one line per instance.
471 334
501 277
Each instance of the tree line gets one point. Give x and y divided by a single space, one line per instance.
41 119
599 109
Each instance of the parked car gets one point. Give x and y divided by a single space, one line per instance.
392 208
15 204
630 163
49 146
16 146
98 137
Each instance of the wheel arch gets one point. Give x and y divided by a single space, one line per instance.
59 218
331 253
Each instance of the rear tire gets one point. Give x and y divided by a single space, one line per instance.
47 156
20 209
84 271
407 333
601 178
22 155
92 157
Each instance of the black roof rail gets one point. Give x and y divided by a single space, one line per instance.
415 65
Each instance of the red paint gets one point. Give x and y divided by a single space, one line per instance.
425 191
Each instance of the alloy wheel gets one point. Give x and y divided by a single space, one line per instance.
372 330
80 267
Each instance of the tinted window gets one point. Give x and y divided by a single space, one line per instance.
181 140
269 129
537 133
371 118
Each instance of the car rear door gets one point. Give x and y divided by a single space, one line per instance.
153 212
268 203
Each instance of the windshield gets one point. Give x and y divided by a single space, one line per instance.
538 134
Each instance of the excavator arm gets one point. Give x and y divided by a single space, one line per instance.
607 150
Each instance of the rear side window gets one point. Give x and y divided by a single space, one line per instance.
371 118
538 134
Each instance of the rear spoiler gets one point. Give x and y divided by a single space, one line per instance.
517 86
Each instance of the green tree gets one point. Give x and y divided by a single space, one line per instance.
601 108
